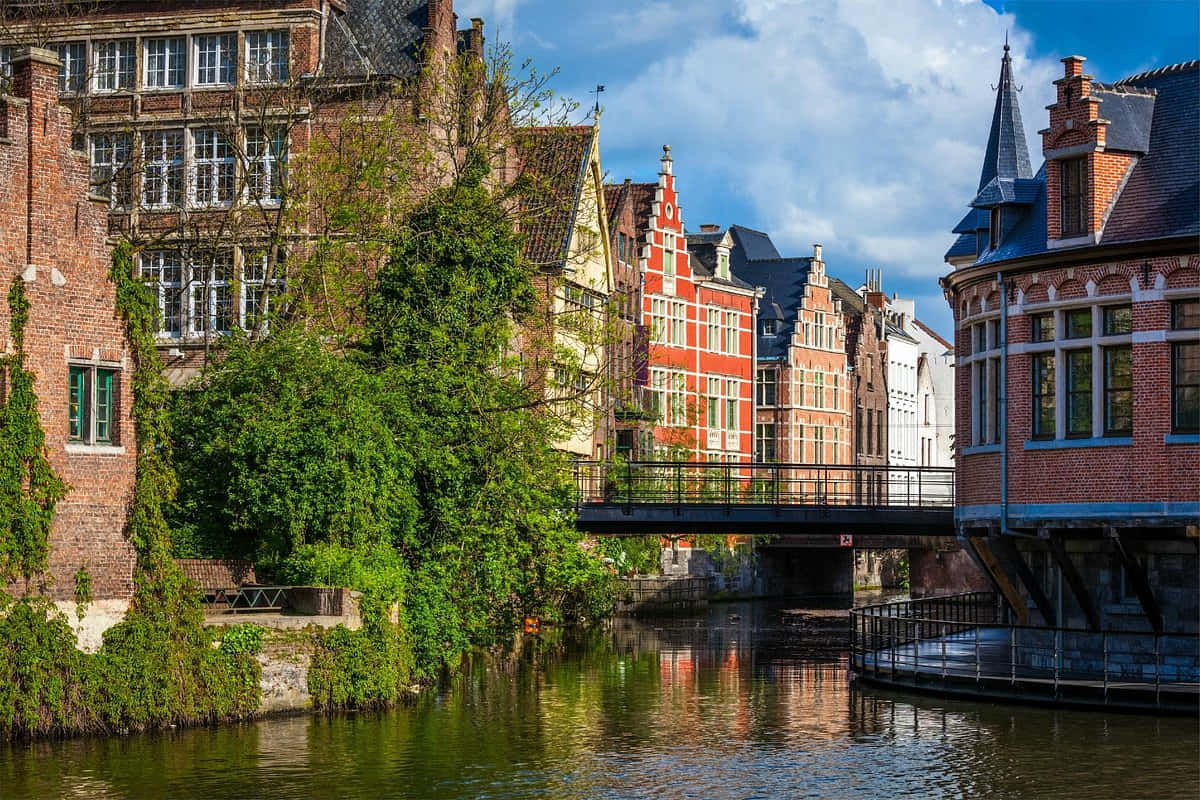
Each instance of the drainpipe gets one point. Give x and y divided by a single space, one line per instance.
1002 404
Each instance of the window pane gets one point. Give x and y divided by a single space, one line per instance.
1042 327
1185 314
1079 393
104 405
1185 374
1043 395
1118 390
1078 323
1118 319
77 403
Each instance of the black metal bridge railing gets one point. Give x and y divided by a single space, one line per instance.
681 483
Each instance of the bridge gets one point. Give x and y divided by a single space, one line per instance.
880 506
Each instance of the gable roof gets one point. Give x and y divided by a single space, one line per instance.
554 160
1157 110
852 301
930 332
756 262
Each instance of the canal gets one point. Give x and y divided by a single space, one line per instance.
746 701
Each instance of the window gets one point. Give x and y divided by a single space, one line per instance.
723 265
981 402
1079 393
678 323
770 327
1118 391
110 168
213 161
91 400
668 263
659 329
267 56
1041 327
731 405
713 329
768 386
818 444
870 433
764 442
994 229
162 164
210 301
1078 323
6 52
819 389
820 326
677 400
981 344
215 59
74 66
115 65
165 63
1074 190
993 402
1118 320
732 328
260 279
713 405
1185 369
165 269
1043 396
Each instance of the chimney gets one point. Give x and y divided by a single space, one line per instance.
817 252
666 160
35 76
710 228
476 37
874 295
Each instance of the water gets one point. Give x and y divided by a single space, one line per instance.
750 701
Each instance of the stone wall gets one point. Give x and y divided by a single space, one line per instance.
938 572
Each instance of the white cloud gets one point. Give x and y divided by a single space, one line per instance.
855 123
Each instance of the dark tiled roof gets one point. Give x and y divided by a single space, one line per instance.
376 37
1160 200
782 278
976 219
1001 191
703 252
1007 155
1129 115
894 331
753 245
554 163
614 196
852 301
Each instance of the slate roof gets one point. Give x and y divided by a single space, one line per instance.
554 161
376 37
851 300
755 261
1007 155
1158 111
703 252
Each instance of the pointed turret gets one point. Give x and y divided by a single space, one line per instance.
1007 155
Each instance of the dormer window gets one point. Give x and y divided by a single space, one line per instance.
994 229
1074 187
723 265
770 327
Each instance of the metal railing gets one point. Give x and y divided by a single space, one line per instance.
688 483
243 599
961 641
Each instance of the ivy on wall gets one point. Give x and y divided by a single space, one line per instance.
29 487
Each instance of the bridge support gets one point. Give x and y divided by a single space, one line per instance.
796 572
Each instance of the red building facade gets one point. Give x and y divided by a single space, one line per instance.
1076 295
700 321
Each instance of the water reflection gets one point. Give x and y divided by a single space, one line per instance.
748 700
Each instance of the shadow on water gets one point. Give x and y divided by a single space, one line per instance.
743 700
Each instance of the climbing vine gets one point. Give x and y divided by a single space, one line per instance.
158 666
29 487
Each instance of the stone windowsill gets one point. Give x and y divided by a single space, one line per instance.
1181 438
980 449
1070 444
82 448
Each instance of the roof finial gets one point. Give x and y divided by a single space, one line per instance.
1006 40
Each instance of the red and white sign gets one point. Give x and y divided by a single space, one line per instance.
846 540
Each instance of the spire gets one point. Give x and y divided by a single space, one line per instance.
1007 155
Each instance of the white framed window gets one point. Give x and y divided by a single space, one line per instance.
115 65
723 265
162 167
111 176
659 328
266 163
166 63
215 55
6 52
712 404
668 264
73 73
210 301
819 389
713 324
261 278
732 328
214 167
678 323
165 269
732 389
267 56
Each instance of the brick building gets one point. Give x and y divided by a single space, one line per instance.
52 237
1076 296
190 113
866 354
700 320
804 408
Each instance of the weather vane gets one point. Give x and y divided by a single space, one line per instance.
599 88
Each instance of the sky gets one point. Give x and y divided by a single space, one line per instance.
858 124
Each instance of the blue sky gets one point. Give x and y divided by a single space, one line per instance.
857 124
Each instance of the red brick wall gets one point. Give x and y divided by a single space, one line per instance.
1149 470
59 234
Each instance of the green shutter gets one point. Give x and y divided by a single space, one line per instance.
104 405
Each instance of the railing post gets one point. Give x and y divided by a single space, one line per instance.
1012 657
679 487
919 503
1104 648
1057 658
943 654
977 666
1157 670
